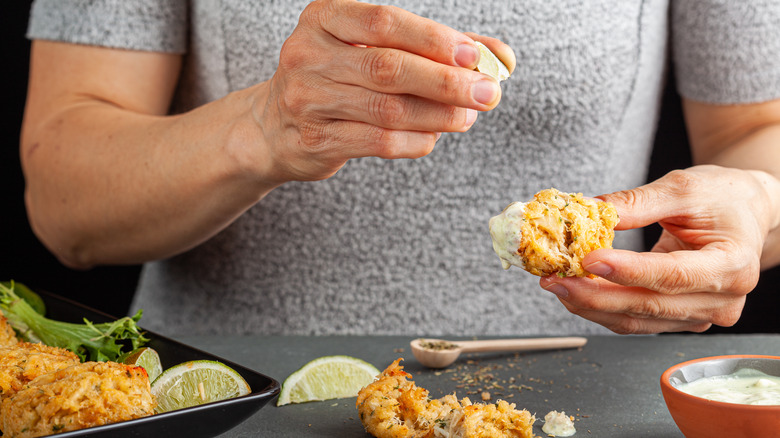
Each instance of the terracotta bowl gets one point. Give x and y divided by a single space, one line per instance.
701 418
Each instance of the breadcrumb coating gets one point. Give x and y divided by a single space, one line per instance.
553 233
394 407
77 397
7 333
24 361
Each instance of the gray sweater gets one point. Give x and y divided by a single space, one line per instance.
402 246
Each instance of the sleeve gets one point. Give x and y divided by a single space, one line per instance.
150 25
726 51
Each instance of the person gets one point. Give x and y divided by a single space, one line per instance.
330 167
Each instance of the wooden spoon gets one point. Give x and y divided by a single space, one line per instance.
438 357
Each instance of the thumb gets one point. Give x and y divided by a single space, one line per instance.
645 205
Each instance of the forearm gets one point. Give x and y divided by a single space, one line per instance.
112 180
109 185
759 150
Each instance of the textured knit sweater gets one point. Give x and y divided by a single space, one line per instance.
402 247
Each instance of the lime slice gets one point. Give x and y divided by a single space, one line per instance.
327 378
490 64
197 382
143 357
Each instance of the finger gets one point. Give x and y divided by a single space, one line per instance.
397 111
717 267
599 295
631 325
346 139
398 72
499 48
392 27
648 204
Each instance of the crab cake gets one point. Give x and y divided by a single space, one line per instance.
553 233
24 361
7 333
80 396
393 406
481 420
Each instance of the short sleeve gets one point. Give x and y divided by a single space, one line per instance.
726 51
150 25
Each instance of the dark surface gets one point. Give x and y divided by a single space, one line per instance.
200 421
110 289
611 385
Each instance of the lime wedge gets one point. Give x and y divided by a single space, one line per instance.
197 382
490 64
327 378
143 357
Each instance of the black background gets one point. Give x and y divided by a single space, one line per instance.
24 259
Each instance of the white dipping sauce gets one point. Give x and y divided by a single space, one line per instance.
746 386
558 424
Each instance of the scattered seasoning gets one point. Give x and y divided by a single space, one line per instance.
437 345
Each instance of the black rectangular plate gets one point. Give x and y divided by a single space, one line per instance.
207 420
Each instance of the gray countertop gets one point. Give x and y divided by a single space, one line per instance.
610 386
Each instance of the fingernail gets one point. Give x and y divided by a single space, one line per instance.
599 268
471 117
466 55
558 290
485 91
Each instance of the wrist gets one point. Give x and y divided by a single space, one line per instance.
770 185
247 142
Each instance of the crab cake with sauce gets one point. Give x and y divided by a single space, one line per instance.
553 233
7 333
24 361
80 396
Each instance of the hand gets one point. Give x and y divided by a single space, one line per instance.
715 221
359 80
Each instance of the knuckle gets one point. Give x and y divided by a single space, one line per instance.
649 307
727 316
380 20
383 67
683 180
315 12
628 326
454 119
387 110
451 82
746 274
630 198
312 138
290 56
391 144
679 281
294 101
382 141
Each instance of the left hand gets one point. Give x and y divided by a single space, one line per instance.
715 222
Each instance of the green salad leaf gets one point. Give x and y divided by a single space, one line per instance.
93 342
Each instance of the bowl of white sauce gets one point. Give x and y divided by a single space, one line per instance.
725 396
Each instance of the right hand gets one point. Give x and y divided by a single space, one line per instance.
358 80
